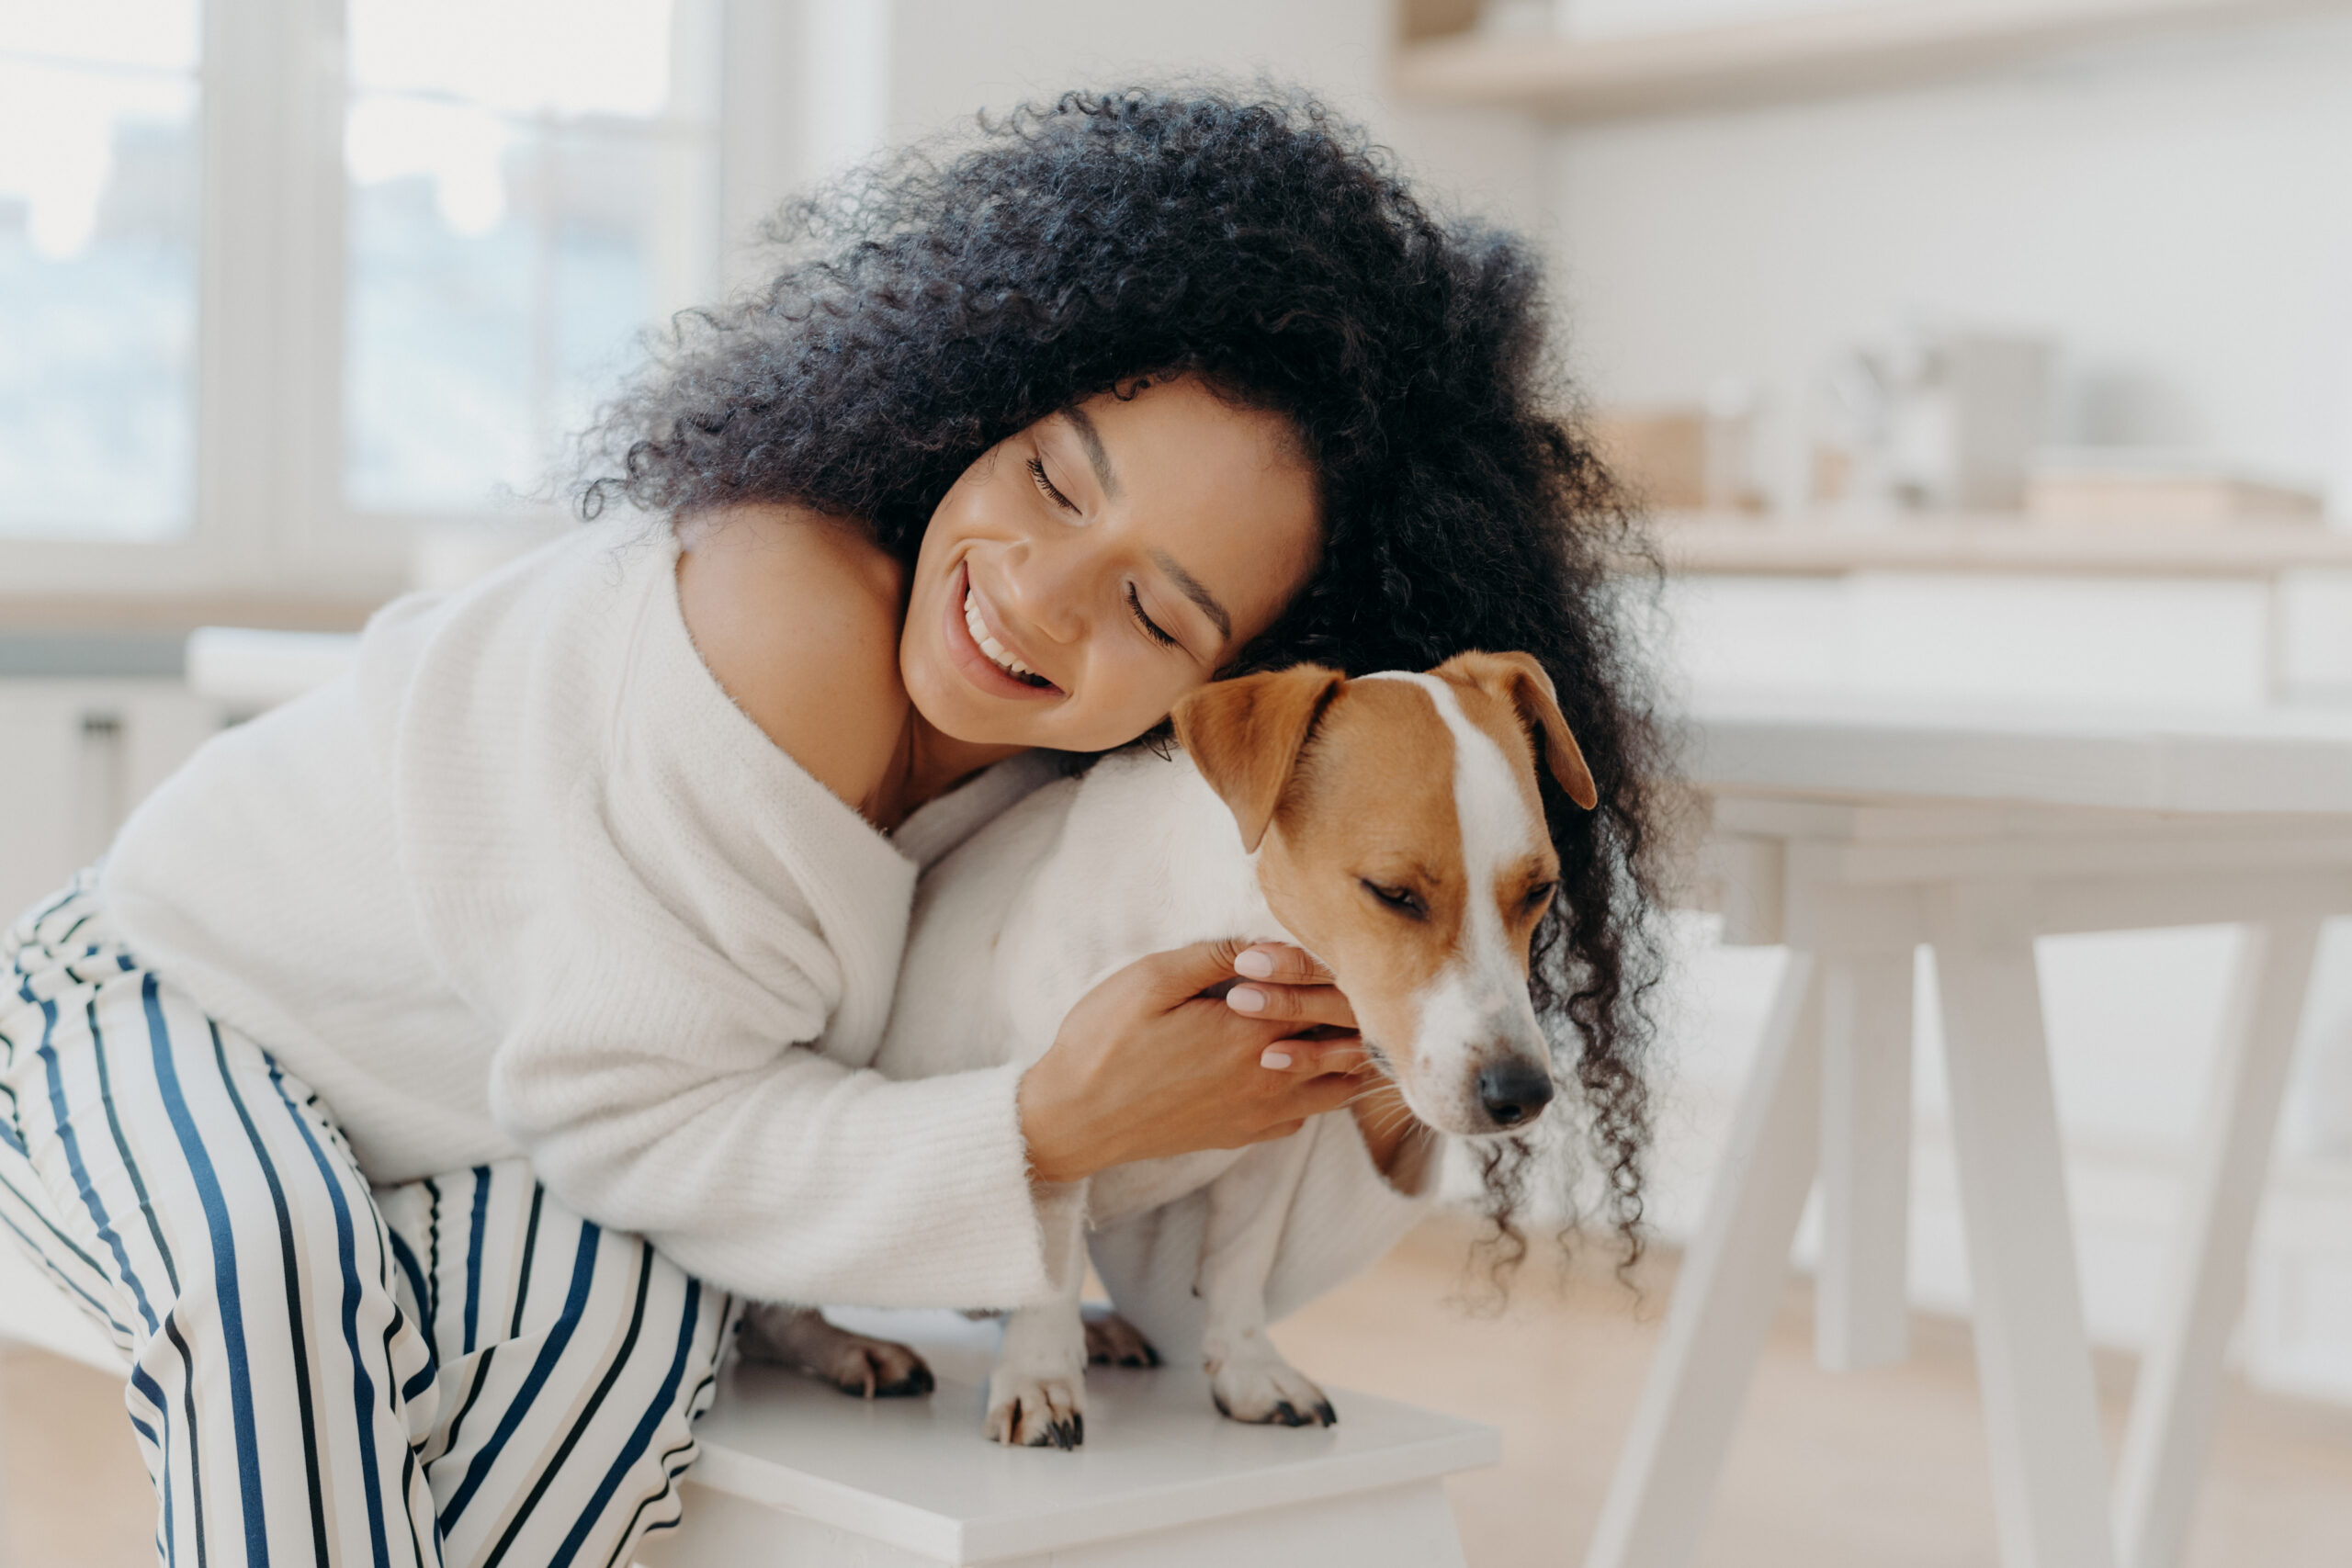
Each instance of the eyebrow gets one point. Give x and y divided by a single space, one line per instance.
1196 591
1095 452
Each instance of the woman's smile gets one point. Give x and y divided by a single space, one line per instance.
986 655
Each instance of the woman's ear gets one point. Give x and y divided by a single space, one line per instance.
1519 680
1245 736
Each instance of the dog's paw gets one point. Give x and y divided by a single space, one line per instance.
1113 1341
1267 1390
1037 1413
799 1337
875 1368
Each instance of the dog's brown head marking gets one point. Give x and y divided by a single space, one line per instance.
1401 837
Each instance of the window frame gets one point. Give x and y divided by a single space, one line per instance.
270 520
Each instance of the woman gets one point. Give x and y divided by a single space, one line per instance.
433 1059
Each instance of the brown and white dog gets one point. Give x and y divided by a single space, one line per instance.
1390 824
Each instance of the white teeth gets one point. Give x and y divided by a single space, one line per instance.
989 645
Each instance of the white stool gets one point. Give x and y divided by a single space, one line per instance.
793 1472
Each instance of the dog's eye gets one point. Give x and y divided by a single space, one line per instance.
1538 895
1404 900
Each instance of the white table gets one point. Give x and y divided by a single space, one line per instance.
1853 832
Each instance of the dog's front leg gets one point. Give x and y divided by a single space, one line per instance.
1248 1207
1037 1392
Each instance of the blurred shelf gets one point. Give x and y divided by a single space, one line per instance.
1799 56
176 614
1703 543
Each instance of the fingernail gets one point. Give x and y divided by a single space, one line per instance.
1254 964
1244 999
1273 1058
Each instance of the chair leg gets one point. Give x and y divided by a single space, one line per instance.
1725 1298
2179 1390
2034 1364
1862 1312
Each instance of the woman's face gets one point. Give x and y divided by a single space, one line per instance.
1084 574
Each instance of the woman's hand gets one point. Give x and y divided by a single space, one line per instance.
1145 1067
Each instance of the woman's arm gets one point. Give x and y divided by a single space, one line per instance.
651 1097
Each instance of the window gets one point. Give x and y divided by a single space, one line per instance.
99 242
530 184
281 280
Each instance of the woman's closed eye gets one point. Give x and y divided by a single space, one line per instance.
1151 628
1046 487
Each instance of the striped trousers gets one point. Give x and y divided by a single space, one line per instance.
454 1371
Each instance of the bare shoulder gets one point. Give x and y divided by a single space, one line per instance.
797 615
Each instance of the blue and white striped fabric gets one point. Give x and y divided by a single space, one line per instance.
455 1371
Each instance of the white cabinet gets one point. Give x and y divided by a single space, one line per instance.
75 756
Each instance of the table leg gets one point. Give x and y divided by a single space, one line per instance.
2179 1390
1723 1303
2033 1363
1861 1316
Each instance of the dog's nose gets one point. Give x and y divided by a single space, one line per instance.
1514 1090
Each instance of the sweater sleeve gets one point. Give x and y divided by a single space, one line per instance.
798 1180
658 1090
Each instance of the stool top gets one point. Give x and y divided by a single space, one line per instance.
918 1474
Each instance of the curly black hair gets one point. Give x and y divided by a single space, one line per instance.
944 298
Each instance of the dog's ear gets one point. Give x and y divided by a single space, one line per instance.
1520 681
1245 736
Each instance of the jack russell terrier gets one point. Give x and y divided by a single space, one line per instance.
1388 825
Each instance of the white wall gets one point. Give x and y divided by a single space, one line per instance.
889 71
2178 212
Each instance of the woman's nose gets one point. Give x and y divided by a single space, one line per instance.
1047 590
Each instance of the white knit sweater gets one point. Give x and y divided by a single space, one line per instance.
529 882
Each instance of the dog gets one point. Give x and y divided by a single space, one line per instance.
1390 824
